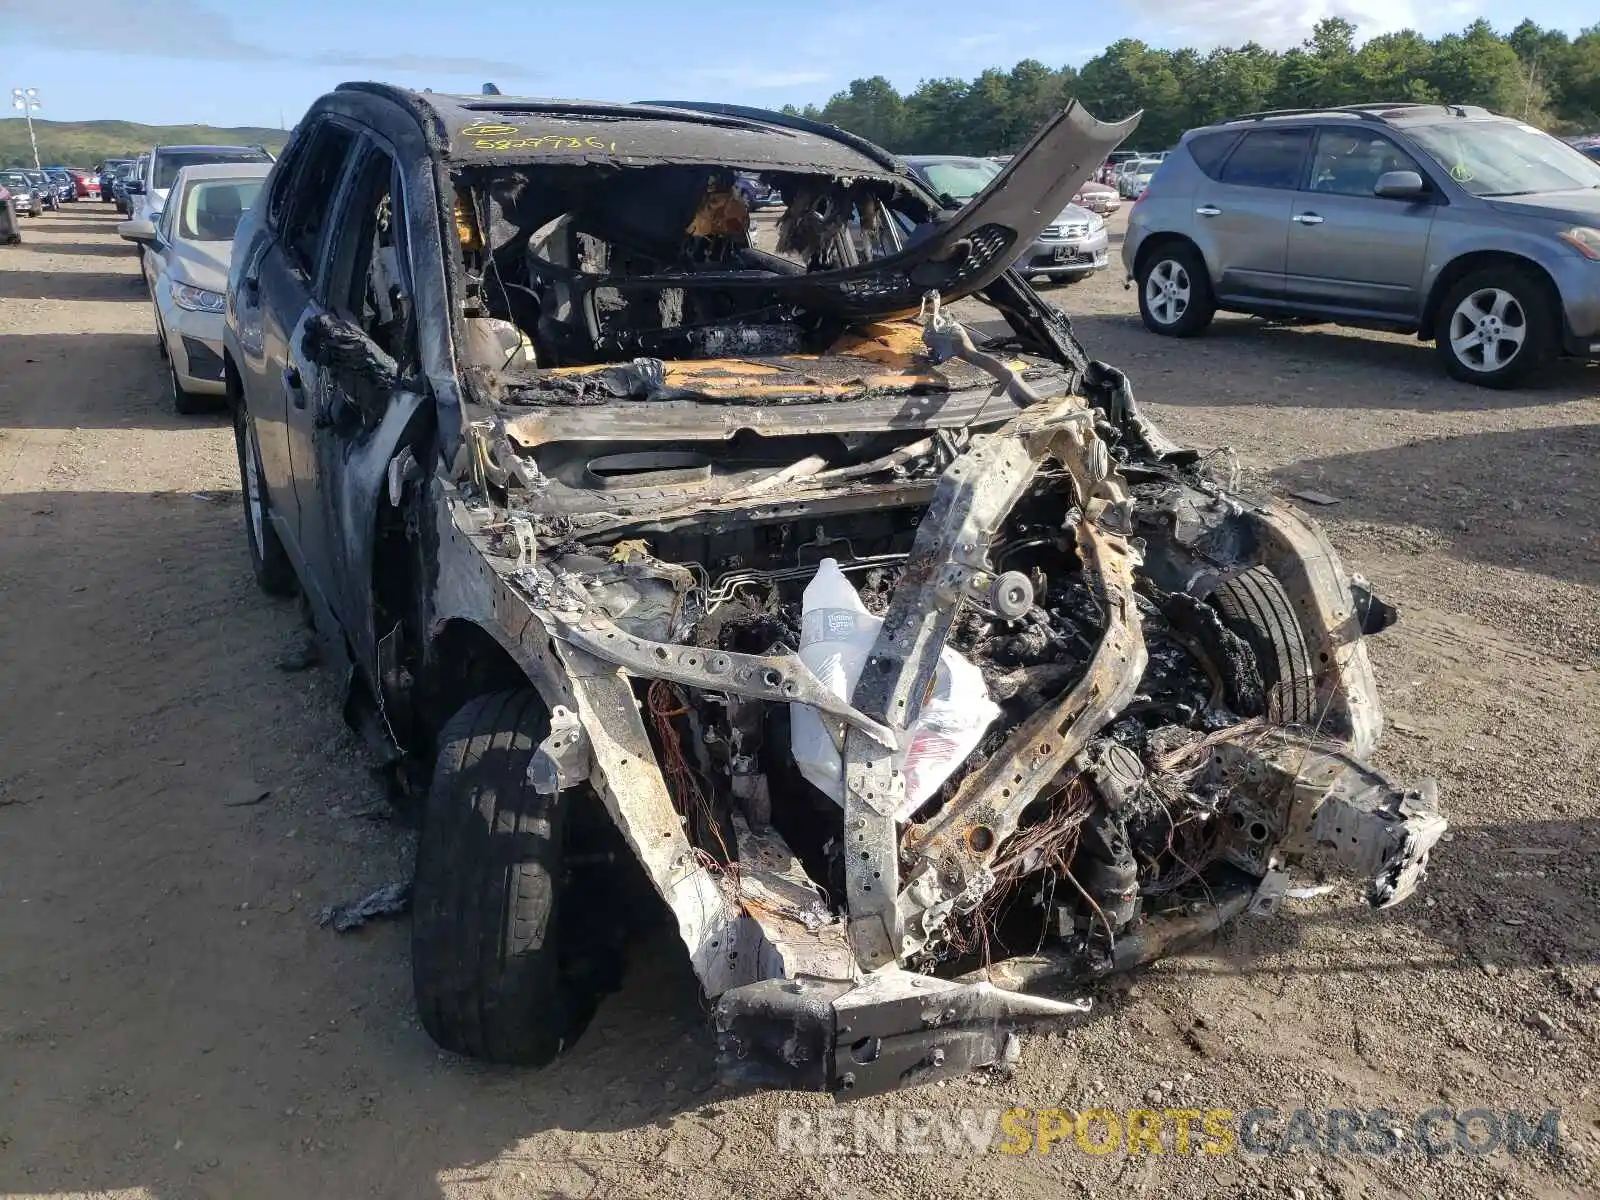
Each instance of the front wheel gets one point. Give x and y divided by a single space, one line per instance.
268 559
487 962
1496 327
1175 291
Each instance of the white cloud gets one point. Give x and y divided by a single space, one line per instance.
1206 23
188 29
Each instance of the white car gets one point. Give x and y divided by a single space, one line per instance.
186 254
147 191
1135 177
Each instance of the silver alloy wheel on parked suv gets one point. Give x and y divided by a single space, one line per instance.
1487 329
1167 292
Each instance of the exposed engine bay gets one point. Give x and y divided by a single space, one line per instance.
1154 695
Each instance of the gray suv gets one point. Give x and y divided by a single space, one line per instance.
1472 230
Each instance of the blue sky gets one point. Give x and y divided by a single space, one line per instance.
250 62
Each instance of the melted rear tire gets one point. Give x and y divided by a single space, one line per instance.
1254 605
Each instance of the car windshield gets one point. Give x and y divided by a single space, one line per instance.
212 208
1503 158
170 162
960 178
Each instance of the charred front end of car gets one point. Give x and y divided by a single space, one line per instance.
917 670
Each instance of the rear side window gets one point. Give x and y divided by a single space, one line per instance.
1268 158
311 192
170 162
1209 149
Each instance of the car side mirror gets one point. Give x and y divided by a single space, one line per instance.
142 232
1398 185
135 187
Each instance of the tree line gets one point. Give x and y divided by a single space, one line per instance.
1540 75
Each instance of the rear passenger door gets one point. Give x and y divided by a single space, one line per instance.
1242 213
1349 250
285 281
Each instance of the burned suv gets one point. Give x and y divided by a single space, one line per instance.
903 670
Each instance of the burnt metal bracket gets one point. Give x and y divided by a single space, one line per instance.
563 758
778 678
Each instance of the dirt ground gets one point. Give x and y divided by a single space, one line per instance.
175 809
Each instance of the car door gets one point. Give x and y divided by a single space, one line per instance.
1242 213
1351 251
284 282
367 300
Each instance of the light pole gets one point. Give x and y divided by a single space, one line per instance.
27 99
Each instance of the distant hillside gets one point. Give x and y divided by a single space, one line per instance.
84 143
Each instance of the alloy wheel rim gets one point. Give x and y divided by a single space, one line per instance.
1167 292
1488 330
252 482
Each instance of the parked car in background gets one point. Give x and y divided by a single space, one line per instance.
1472 230
44 189
10 233
1072 247
147 193
188 251
110 171
88 184
28 202
125 181
66 187
1136 176
1098 197
1114 160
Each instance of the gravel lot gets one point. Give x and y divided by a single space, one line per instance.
175 809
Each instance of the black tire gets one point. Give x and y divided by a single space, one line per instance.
268 560
1254 606
1187 270
184 403
485 935
1530 309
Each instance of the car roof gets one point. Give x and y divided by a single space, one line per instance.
242 170
1395 112
254 149
498 129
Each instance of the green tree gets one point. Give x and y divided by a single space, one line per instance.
1477 66
869 107
1535 73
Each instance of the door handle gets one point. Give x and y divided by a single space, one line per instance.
295 385
1308 218
1209 210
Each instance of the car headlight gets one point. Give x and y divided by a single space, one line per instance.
1585 239
1096 223
197 299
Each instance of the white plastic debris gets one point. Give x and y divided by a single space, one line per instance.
837 634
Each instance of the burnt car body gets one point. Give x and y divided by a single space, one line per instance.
552 451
